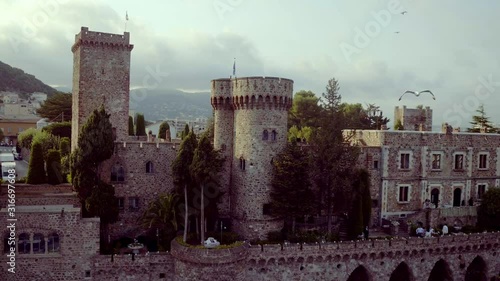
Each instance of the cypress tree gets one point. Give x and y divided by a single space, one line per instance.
140 129
36 168
130 126
54 174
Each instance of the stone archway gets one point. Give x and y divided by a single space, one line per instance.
477 270
402 273
441 272
435 196
360 274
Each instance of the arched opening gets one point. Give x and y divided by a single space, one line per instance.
149 167
435 196
457 197
402 273
440 272
24 243
53 243
38 244
360 274
265 135
477 270
274 135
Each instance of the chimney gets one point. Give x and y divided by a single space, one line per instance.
456 130
482 130
421 127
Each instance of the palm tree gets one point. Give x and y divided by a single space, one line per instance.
162 215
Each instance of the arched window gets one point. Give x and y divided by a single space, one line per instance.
265 135
242 163
149 167
117 173
24 243
7 246
53 243
273 135
38 244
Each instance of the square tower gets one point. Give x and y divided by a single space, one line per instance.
414 119
101 76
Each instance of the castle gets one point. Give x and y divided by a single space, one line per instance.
55 243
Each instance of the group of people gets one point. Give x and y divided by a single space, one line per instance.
421 232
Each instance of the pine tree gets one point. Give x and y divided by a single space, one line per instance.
291 194
36 168
181 172
140 126
481 121
130 126
185 132
205 168
54 174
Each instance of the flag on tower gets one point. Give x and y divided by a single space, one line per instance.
126 15
234 67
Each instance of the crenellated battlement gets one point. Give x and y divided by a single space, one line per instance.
101 39
252 93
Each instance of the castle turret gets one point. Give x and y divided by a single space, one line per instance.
259 132
101 76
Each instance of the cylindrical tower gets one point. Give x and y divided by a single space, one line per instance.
261 107
222 103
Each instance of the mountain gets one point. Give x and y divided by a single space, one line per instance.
160 104
15 80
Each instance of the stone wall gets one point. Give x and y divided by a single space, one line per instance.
150 267
414 119
138 182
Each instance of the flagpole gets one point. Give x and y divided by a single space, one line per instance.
126 20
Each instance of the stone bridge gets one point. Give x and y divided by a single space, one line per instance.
451 258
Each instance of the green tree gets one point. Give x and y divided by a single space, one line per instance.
488 213
355 116
140 126
291 194
210 128
95 145
164 129
185 132
65 146
304 133
57 108
181 173
131 126
205 168
25 138
2 135
334 158
36 167
376 117
161 215
305 110
54 174
360 213
481 121
60 129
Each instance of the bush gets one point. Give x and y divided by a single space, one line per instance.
54 175
65 146
47 141
60 129
36 168
25 138
162 132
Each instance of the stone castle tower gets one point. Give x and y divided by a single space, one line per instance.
101 75
250 128
414 119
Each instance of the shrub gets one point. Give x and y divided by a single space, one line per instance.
65 146
47 141
162 132
60 129
54 175
36 169
25 138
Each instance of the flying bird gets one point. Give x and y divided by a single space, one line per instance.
404 13
418 93
397 32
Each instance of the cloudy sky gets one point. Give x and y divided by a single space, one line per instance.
448 46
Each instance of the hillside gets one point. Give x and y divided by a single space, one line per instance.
161 104
15 80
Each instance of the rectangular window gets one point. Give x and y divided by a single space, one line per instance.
133 203
9 129
459 162
403 193
483 161
375 164
404 161
436 161
266 209
121 203
481 189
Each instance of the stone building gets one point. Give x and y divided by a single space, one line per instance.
412 170
414 119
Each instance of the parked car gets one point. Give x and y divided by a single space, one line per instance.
211 243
